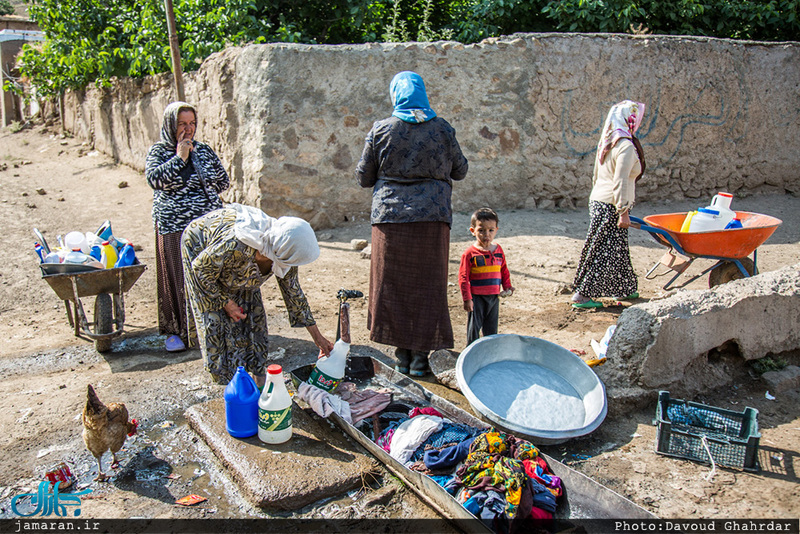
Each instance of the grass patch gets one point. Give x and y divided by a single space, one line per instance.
769 363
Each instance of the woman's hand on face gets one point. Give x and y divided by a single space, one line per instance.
184 147
624 220
234 311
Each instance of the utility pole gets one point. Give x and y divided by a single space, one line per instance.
175 52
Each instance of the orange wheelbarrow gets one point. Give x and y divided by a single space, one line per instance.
731 248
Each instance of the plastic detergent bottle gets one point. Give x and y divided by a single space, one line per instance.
707 220
688 221
109 255
722 203
329 371
734 224
241 405
274 409
126 256
39 251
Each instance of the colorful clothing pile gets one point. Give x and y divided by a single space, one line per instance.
497 477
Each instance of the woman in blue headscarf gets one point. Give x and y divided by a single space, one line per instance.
410 161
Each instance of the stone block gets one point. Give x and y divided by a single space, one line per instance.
318 462
786 379
668 344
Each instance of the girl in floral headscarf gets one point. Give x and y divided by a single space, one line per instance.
605 266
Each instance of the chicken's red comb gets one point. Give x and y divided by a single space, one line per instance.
135 424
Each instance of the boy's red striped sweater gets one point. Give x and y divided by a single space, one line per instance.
483 272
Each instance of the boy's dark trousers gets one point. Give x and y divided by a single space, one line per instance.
483 317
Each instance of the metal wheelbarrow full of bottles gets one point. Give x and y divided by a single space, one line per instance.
730 248
71 282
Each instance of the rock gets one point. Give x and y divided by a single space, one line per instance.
358 244
443 366
316 463
367 252
41 191
563 289
123 184
665 344
380 497
546 204
786 379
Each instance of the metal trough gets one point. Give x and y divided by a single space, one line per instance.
531 387
583 497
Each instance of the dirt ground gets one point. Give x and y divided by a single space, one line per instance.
59 184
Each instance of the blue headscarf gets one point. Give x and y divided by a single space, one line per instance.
409 98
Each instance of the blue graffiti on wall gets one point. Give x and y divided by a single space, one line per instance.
730 114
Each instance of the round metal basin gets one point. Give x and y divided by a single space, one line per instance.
531 387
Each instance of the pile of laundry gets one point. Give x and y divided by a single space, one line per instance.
499 478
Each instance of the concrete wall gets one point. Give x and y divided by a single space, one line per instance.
289 121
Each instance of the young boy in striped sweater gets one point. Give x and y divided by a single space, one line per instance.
482 274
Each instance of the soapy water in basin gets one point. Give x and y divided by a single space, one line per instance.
529 395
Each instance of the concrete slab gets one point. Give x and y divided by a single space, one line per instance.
669 344
318 462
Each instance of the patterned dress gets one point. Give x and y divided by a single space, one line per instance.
219 267
182 191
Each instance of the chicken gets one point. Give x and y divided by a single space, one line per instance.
105 428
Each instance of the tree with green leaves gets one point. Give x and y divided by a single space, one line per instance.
90 41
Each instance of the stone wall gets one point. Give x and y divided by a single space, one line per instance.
289 121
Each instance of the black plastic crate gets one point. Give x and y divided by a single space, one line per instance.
732 437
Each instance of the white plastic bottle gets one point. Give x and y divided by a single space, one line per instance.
706 220
722 203
329 371
274 409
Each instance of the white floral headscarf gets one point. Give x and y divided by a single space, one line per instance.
623 120
287 241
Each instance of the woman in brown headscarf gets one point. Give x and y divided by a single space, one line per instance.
187 178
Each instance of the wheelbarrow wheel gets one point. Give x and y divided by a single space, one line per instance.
103 321
728 271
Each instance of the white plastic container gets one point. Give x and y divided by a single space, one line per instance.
329 370
707 220
274 409
721 202
76 240
77 257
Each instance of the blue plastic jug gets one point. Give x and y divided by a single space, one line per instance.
241 405
126 256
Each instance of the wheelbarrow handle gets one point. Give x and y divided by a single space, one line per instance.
636 222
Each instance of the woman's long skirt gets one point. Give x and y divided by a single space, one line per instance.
170 290
408 286
605 268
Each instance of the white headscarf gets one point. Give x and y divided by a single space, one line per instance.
287 241
623 120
